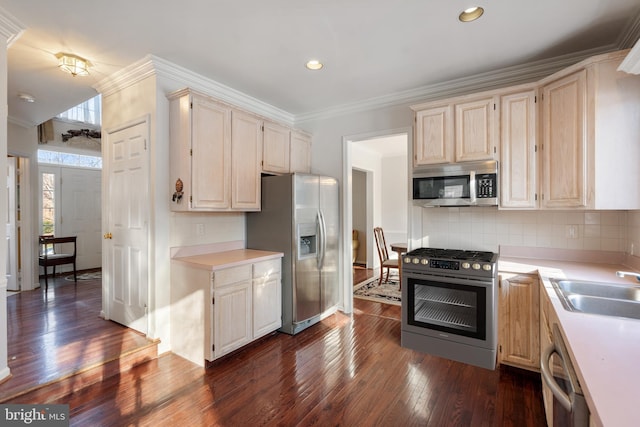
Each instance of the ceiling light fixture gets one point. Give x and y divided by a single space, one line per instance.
26 97
73 64
471 14
314 64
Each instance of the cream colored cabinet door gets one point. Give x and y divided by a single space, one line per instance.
475 130
519 324
232 317
564 142
267 300
434 136
300 153
275 148
246 157
267 305
518 150
200 131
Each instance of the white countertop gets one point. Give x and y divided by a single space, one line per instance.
605 349
225 259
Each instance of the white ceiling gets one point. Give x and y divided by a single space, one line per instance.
372 49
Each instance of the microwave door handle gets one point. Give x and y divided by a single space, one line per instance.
547 376
472 188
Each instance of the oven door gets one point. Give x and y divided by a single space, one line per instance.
453 309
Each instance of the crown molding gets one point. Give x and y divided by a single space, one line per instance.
510 76
630 35
10 27
128 76
152 65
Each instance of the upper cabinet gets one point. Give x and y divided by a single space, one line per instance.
590 128
246 156
276 146
518 164
200 169
285 150
475 134
215 155
300 152
455 130
218 153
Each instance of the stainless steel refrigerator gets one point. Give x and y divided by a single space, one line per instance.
300 217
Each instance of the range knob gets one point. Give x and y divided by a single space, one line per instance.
416 261
486 267
466 265
424 261
475 266
407 260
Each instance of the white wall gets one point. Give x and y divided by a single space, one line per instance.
395 198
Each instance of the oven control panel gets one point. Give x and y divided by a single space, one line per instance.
444 264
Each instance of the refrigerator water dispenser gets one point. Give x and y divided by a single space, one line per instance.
307 241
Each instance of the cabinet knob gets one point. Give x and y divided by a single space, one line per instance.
108 236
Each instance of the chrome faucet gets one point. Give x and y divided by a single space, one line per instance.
628 273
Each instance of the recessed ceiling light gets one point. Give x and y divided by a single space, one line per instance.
26 97
471 14
314 64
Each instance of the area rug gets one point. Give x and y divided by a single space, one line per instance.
387 292
93 275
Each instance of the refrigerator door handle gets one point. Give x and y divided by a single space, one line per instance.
323 240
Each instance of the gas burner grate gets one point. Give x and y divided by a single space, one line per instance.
456 254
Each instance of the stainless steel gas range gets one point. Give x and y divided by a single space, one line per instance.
449 304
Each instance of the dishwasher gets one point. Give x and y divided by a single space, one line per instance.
568 407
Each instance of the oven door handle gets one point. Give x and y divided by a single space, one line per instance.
547 376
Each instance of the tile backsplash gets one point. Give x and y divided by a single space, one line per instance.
486 228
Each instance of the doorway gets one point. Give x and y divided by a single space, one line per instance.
383 156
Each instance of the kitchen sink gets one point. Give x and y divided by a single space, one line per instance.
602 298
598 289
605 306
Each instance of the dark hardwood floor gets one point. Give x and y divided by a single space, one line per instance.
361 273
346 370
55 334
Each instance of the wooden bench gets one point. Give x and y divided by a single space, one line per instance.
51 255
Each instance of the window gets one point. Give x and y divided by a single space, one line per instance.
48 203
68 159
87 112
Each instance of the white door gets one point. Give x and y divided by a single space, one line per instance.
127 226
80 213
12 265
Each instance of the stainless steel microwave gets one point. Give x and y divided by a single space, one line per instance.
459 184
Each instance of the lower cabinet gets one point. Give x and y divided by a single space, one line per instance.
216 312
519 321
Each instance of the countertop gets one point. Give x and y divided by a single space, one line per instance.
605 350
219 260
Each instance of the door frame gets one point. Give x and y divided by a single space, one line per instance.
347 201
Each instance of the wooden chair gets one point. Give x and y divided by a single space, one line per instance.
383 254
51 255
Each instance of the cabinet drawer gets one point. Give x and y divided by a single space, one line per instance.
231 275
266 268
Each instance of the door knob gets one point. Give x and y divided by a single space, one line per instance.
108 236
